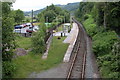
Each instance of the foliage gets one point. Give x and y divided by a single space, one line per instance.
19 16
100 21
84 8
89 25
8 69
100 17
49 15
53 13
103 41
23 42
38 42
8 43
109 62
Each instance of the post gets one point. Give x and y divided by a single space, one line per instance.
32 16
32 20
47 21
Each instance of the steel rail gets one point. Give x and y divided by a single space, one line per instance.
81 36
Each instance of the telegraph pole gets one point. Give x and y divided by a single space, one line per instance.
32 19
32 16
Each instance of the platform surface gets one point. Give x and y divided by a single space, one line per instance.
71 39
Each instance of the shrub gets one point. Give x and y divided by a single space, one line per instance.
8 69
106 46
38 39
90 25
103 42
38 42
86 16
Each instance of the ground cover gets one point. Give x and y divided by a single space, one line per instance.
34 63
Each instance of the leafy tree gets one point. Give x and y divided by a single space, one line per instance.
19 16
38 41
49 15
52 12
8 43
100 17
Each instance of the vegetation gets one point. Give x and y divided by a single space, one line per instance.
0 41
102 24
71 7
36 24
8 42
60 28
38 42
22 64
54 13
18 16
23 42
33 62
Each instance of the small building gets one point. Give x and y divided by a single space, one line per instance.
66 27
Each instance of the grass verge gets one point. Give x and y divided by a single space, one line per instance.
23 42
33 62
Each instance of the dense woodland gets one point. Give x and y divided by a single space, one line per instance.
102 23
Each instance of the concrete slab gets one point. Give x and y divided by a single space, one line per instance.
48 46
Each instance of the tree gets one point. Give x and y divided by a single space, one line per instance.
49 15
51 12
19 16
8 43
38 41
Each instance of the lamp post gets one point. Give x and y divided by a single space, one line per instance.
47 21
64 26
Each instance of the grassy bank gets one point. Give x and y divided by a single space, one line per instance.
23 42
33 62
105 47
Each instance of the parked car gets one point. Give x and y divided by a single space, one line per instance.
24 25
29 30
18 27
30 24
36 28
17 30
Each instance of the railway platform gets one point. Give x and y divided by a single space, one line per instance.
71 39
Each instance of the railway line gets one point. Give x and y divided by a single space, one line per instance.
78 59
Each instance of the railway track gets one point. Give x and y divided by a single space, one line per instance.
78 63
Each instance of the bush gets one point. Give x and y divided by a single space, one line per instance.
90 25
38 39
86 16
103 42
106 46
8 69
38 42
